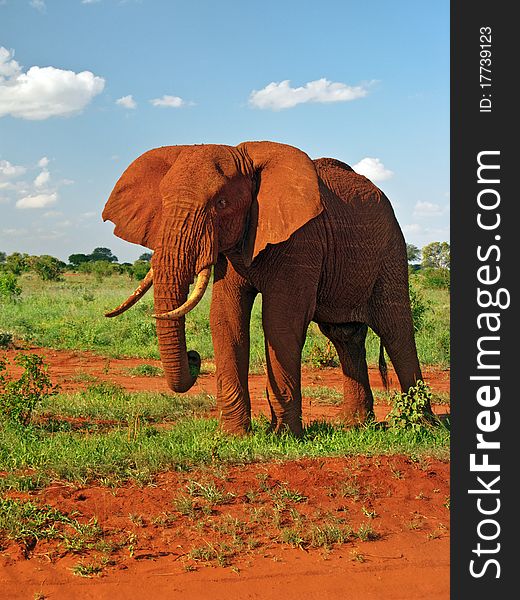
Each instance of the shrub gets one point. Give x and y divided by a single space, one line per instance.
435 279
6 339
411 410
139 269
19 397
419 307
9 289
321 357
99 268
47 267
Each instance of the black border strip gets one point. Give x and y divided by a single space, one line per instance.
472 132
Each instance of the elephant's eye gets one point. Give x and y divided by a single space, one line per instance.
221 203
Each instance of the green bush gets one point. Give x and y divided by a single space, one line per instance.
19 397
9 289
411 410
47 267
419 307
139 269
435 278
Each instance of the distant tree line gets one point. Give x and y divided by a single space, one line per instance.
432 262
101 262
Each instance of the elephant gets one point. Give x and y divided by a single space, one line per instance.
318 241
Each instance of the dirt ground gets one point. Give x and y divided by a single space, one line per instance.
404 503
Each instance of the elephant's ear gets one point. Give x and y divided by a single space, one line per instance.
135 204
287 197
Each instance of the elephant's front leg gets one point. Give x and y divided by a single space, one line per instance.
230 316
285 321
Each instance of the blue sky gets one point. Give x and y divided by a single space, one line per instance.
86 86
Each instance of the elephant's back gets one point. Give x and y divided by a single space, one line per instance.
359 225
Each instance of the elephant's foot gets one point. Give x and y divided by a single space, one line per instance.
280 426
240 428
357 417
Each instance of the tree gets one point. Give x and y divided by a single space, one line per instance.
17 263
47 267
147 256
104 254
2 257
413 253
436 255
78 259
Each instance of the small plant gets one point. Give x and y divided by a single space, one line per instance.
357 556
321 357
137 520
366 534
6 339
19 397
185 505
285 493
87 569
209 492
411 410
370 514
292 536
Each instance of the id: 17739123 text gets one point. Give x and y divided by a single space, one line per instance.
485 69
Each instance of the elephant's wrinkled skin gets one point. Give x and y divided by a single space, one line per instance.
317 240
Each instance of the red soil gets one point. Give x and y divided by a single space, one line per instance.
404 502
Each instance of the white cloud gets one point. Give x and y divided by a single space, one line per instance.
277 96
428 209
8 66
373 168
52 213
38 5
10 171
43 162
412 228
127 101
168 101
11 231
90 1
42 179
37 200
43 92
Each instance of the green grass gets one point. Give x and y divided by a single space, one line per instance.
28 523
105 400
68 314
191 442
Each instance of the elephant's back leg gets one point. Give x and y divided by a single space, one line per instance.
391 317
349 341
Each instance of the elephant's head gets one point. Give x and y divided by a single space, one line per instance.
187 204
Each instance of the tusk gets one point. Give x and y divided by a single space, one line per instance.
141 290
194 298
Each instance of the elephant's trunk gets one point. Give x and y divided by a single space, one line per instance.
195 297
171 336
188 247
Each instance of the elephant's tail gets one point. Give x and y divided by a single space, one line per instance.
383 369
